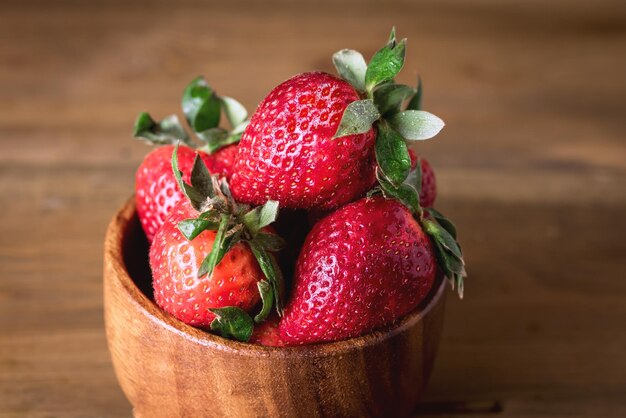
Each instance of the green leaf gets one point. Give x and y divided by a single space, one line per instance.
251 219
374 192
269 213
392 37
443 221
217 250
416 100
351 66
213 214
406 194
201 178
267 297
216 138
414 178
389 97
392 155
233 236
418 175
191 228
447 249
269 241
196 198
225 189
166 132
385 64
451 267
144 122
234 111
271 271
241 127
232 322
443 237
460 284
213 135
177 173
416 125
448 262
201 105
357 118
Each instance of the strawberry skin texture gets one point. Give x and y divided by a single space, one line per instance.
175 262
156 190
429 183
361 267
267 333
287 152
221 161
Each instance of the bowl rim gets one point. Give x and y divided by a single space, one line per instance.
113 255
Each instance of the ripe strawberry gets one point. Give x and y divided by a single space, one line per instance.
175 262
428 193
212 259
267 333
156 191
222 161
361 267
317 141
287 152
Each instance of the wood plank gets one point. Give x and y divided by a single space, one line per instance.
531 165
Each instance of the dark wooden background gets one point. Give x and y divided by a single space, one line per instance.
531 165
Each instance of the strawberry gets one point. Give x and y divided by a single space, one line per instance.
156 190
361 267
267 334
155 186
287 152
175 263
212 259
222 160
368 263
428 193
317 142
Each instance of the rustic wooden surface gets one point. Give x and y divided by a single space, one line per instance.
531 165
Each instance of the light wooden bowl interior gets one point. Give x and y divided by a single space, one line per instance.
169 369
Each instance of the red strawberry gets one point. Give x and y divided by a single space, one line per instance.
429 183
267 333
156 191
221 161
361 267
175 262
287 152
212 259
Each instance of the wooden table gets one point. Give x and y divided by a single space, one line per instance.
531 165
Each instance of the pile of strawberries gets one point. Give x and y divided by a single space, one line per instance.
357 244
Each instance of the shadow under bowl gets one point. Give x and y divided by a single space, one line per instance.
169 369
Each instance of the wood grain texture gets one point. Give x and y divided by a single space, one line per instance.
168 369
531 166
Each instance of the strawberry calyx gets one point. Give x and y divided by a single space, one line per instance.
233 222
232 322
203 110
382 107
440 229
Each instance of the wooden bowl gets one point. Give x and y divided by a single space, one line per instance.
169 369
